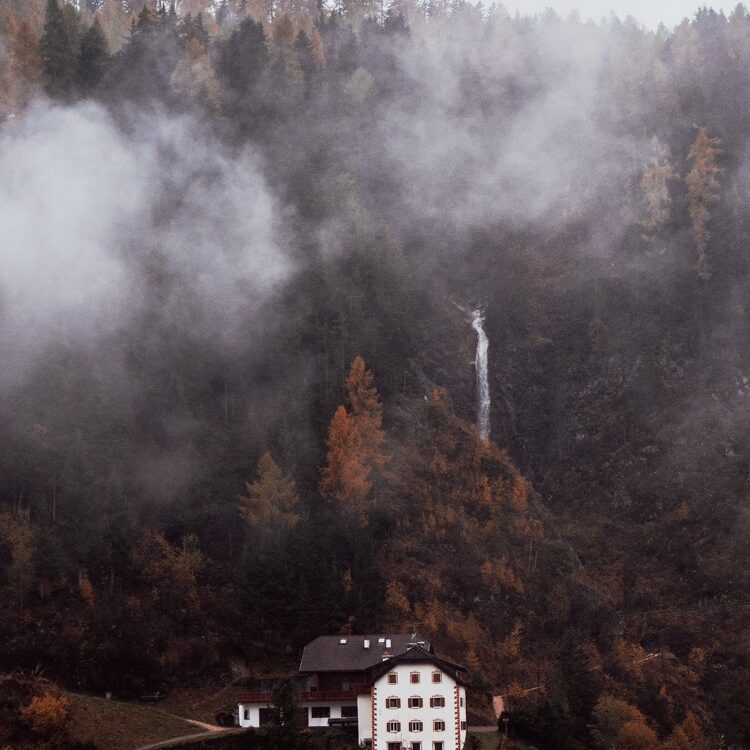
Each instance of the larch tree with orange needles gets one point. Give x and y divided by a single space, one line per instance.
703 191
271 501
355 445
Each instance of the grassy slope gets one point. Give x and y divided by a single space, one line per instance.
114 725
201 703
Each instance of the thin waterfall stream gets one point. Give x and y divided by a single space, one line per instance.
483 382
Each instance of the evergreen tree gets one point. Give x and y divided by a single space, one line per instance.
284 709
243 57
72 21
305 54
193 28
92 58
145 23
58 51
222 14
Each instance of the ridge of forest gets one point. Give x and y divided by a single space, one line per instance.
237 402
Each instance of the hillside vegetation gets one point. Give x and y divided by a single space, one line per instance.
237 400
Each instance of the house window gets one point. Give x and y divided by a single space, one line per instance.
437 677
392 678
393 702
416 746
462 702
463 725
394 726
415 702
437 701
348 712
414 678
438 725
246 714
394 746
415 726
320 712
437 746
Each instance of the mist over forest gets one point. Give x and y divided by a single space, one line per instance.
238 398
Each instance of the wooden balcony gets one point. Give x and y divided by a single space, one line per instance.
310 696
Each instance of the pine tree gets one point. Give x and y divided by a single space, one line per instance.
366 410
58 52
286 62
193 28
703 192
305 54
271 500
655 198
72 21
194 77
145 23
222 14
243 57
92 57
355 445
345 477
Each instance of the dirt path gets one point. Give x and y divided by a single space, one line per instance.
210 729
194 722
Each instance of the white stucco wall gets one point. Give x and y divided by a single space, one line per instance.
253 714
454 695
335 711
364 717
425 689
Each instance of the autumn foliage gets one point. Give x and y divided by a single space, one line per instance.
703 192
355 445
46 714
271 500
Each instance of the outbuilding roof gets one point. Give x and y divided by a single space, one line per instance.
355 653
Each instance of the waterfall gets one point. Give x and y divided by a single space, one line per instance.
483 382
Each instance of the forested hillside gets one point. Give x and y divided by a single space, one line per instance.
237 398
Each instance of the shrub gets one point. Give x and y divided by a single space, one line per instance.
46 714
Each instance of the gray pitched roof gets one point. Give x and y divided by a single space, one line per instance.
416 654
347 653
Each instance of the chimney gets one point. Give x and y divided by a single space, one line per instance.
367 643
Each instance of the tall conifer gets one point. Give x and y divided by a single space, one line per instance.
58 52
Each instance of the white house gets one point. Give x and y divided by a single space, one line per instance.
393 688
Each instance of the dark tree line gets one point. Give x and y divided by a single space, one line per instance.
221 499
